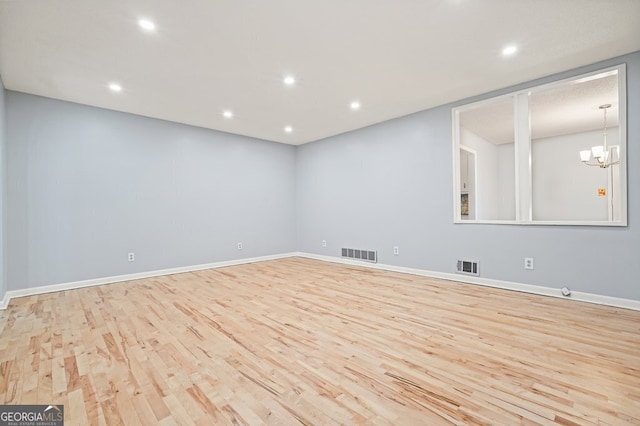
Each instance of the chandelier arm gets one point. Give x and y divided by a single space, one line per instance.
604 152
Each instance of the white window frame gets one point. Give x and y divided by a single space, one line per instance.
522 137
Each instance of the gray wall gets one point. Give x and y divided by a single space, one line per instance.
391 185
3 191
87 186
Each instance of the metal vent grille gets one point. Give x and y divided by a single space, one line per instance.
468 267
366 255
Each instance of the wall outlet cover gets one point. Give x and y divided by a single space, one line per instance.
528 263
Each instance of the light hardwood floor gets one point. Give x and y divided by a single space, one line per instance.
298 341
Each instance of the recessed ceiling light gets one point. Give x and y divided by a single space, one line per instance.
288 129
146 24
289 80
115 87
509 50
355 105
227 114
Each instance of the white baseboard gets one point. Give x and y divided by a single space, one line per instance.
129 277
506 285
5 301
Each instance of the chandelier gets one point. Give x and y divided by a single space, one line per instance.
602 154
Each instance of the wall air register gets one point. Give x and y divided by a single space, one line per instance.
468 267
366 255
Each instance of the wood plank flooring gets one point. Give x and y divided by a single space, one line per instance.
298 341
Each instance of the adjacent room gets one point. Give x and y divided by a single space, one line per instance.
320 212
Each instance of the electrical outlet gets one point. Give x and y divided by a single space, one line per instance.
528 263
239 246
396 250
324 243
131 257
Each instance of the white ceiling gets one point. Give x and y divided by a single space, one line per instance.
395 56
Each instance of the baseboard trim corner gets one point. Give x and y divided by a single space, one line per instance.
4 302
505 285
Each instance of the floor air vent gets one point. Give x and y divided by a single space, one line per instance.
468 267
366 255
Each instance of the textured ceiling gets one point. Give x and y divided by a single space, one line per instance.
568 108
395 57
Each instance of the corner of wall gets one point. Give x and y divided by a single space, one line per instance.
3 191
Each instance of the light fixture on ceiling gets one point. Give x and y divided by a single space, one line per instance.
289 80
509 50
115 87
146 25
355 105
227 114
603 155
288 129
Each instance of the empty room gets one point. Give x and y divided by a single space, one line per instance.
319 212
